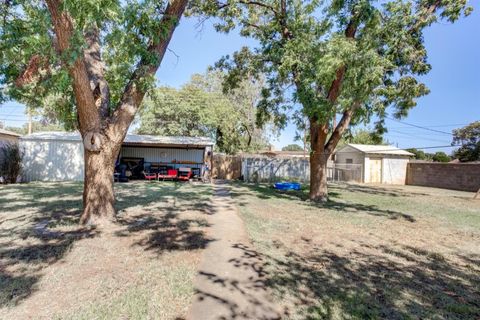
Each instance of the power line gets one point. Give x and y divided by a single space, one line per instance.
12 116
394 137
435 147
437 126
416 136
17 120
420 127
405 149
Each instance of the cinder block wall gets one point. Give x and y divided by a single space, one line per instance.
465 176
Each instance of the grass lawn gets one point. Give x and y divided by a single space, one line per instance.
391 252
141 268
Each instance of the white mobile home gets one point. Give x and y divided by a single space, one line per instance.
58 156
379 163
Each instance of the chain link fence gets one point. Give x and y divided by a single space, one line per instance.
295 169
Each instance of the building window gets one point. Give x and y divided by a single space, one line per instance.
348 160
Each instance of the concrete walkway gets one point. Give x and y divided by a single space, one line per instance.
230 283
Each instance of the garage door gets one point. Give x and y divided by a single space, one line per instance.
375 170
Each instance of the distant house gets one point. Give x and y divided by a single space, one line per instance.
376 163
8 137
284 154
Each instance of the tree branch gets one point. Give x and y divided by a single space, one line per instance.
260 4
336 85
221 6
96 71
62 24
341 127
425 14
134 91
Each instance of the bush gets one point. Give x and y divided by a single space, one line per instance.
10 162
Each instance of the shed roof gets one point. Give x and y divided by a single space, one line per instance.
130 139
377 149
9 133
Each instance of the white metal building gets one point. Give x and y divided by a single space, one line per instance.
378 163
58 156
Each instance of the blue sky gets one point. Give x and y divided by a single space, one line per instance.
454 81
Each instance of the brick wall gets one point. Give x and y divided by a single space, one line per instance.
465 176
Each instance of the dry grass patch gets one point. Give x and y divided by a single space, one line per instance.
371 252
142 267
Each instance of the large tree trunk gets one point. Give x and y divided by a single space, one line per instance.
103 133
318 177
318 162
98 193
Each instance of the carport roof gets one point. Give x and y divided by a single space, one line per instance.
9 133
378 149
130 139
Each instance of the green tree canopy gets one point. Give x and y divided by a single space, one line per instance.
440 156
201 108
469 139
37 126
292 147
419 154
94 60
365 136
321 58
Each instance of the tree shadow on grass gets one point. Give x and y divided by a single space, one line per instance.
222 292
171 218
166 232
28 212
383 282
265 192
25 260
376 190
33 218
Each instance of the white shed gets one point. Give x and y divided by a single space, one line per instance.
379 163
58 156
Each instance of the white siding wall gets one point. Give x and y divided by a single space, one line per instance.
356 156
394 169
349 153
366 169
52 160
163 155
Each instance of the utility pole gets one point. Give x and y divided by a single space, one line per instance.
29 121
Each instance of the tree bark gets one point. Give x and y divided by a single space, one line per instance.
98 193
103 133
318 162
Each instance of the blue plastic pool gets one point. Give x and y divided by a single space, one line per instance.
287 186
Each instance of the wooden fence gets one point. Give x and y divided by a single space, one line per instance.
226 167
